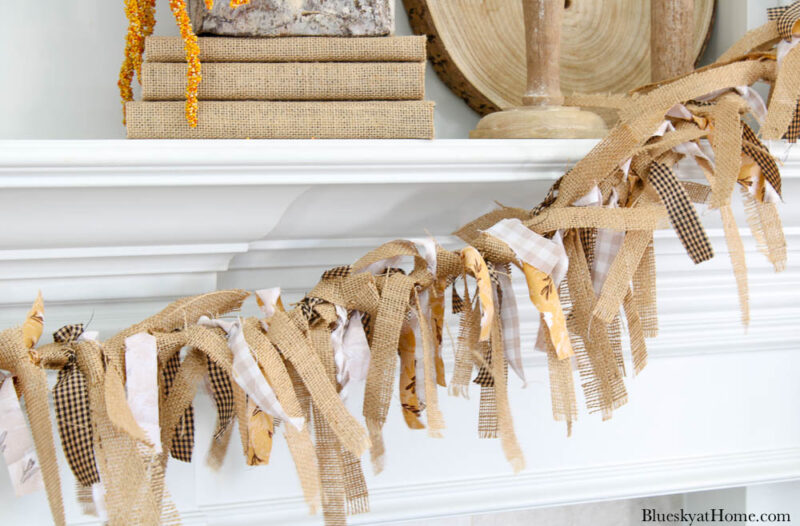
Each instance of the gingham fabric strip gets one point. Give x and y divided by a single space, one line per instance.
337 272
484 377
456 301
606 248
681 212
222 391
509 317
141 382
183 440
68 333
787 18
248 374
350 350
16 442
588 238
765 161
73 415
793 133
605 244
544 254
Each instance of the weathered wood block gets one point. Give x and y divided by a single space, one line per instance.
295 17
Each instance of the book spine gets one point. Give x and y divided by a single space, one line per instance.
289 81
282 120
291 49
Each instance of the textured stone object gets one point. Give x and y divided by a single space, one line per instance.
262 18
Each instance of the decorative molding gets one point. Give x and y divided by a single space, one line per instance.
453 497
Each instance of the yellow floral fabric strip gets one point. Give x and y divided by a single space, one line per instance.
544 295
474 264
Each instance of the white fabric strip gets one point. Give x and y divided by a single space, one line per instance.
247 373
350 350
544 254
16 442
141 381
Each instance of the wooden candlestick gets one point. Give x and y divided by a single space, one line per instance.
671 30
542 114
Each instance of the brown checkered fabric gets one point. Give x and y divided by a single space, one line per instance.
456 301
767 164
785 16
748 135
366 322
484 377
336 272
68 333
550 198
793 133
73 416
588 237
222 391
681 212
183 441
752 146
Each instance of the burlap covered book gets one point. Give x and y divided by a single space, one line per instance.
290 49
283 120
289 81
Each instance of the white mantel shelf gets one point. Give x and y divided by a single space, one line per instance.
273 162
113 230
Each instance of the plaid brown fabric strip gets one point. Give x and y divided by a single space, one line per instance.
484 377
366 322
68 333
222 391
793 133
183 441
681 212
752 146
588 238
767 164
456 301
786 17
336 272
73 415
748 135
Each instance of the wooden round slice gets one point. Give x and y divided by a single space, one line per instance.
477 46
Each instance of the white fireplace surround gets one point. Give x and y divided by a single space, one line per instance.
113 230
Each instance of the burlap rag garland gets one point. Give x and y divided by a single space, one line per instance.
587 255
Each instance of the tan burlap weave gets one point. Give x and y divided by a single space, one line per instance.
298 49
245 119
289 81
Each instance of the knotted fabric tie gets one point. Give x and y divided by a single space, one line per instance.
73 414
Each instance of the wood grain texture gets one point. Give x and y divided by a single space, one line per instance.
477 47
671 27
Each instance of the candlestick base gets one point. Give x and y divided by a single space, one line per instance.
540 122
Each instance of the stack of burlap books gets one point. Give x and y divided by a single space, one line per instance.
292 88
